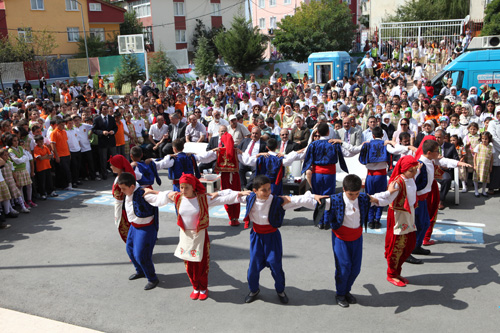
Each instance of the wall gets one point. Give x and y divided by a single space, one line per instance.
109 29
54 18
163 13
379 9
477 9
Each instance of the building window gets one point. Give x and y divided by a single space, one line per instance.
262 3
95 7
216 9
272 3
141 7
24 34
71 5
148 34
179 9
272 22
262 23
98 32
180 36
73 34
287 2
37 5
348 2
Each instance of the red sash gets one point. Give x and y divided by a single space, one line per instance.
141 225
348 234
380 172
329 169
263 228
422 196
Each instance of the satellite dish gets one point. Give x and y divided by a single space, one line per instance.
466 19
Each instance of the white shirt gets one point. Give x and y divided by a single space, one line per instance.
83 137
129 208
139 125
351 213
90 83
73 143
429 164
156 132
255 148
368 136
213 127
397 91
287 159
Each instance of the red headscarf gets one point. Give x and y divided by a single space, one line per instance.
404 164
420 152
118 161
193 181
228 142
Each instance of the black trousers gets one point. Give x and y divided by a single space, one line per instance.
159 152
76 163
104 155
44 181
88 166
243 179
63 171
445 184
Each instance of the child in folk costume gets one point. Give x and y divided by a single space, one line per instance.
21 175
192 204
227 164
401 236
348 212
119 165
4 199
483 163
15 193
427 154
146 169
143 231
179 164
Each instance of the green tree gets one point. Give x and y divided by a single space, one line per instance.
12 52
42 45
204 59
129 71
160 66
492 19
131 25
242 46
95 46
324 25
425 10
210 34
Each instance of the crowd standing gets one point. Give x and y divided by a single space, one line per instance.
259 127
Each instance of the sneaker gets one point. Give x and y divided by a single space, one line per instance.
27 206
97 178
69 188
32 204
13 211
54 194
464 190
25 210
44 197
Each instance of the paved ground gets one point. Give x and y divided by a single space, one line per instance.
65 261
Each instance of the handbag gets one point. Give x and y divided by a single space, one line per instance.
191 244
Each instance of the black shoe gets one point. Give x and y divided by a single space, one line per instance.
378 225
420 250
321 226
136 276
151 285
283 299
12 215
350 299
341 300
74 185
327 226
7 226
2 217
413 260
371 225
104 177
79 183
250 298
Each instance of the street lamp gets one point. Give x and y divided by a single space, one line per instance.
84 36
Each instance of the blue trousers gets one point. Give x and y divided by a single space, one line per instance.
140 245
323 184
422 221
266 250
375 184
347 263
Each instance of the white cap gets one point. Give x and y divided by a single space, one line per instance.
231 117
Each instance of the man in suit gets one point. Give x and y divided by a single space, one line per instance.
105 128
447 150
252 146
176 129
349 134
286 146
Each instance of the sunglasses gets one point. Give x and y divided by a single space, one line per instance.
284 134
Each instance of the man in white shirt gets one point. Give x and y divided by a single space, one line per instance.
252 82
398 90
158 135
238 131
215 124
195 132
416 91
367 134
90 82
82 131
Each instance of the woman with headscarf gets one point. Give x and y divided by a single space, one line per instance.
473 98
274 78
120 164
401 197
192 204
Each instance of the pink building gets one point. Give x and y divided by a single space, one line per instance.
267 13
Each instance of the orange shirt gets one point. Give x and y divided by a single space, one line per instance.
101 83
167 82
180 106
41 164
120 134
60 138
67 97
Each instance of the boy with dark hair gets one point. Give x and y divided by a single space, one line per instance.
348 213
178 164
146 171
143 230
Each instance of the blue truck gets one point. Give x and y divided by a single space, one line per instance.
479 65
